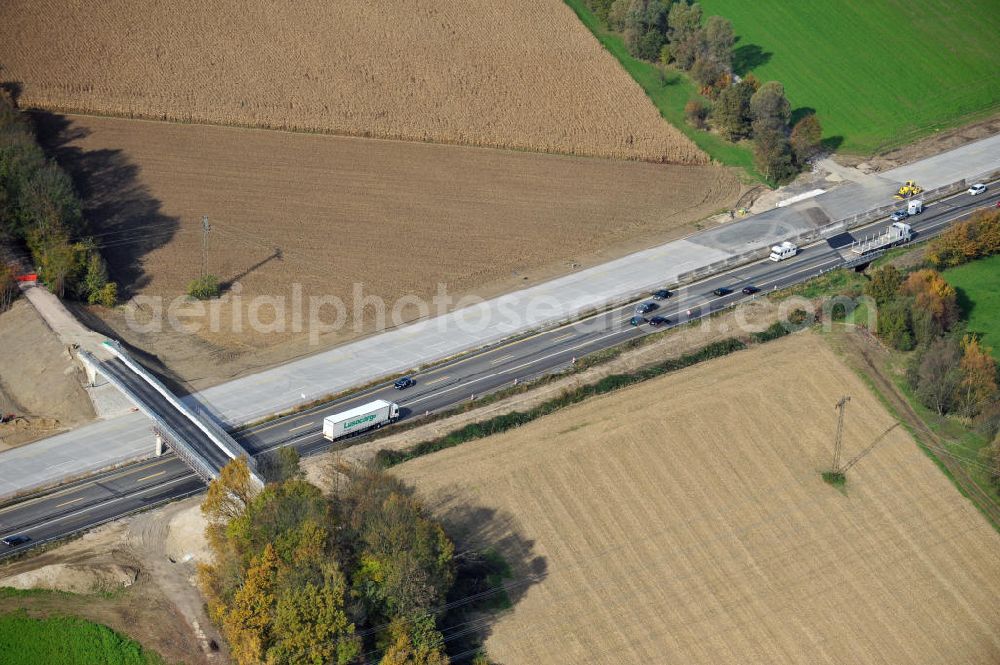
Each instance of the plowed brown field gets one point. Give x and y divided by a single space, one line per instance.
395 217
685 521
497 73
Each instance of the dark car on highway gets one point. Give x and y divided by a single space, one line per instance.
645 308
661 294
657 321
14 541
750 290
721 291
637 320
404 383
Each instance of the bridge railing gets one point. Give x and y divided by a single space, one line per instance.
177 443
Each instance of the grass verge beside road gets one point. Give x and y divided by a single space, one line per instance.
669 91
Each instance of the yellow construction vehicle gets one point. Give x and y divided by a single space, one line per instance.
909 189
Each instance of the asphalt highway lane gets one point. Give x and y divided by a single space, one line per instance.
88 502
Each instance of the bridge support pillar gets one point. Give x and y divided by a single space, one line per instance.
159 444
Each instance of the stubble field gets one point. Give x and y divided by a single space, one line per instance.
481 72
328 213
685 521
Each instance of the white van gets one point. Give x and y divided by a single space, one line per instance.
783 251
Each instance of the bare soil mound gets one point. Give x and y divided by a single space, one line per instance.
76 578
39 382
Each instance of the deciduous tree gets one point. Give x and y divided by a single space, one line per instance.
979 376
770 109
807 137
939 375
884 284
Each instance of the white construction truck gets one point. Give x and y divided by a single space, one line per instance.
360 418
783 251
897 233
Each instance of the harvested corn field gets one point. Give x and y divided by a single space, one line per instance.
524 75
328 213
685 521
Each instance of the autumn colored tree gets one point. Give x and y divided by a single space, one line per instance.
977 237
415 641
695 111
806 138
979 376
230 493
246 620
934 299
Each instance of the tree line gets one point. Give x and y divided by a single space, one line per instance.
301 578
40 209
950 371
674 33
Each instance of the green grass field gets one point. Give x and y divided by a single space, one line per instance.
878 73
669 92
978 285
65 640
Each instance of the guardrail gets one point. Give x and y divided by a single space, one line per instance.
176 441
825 231
210 428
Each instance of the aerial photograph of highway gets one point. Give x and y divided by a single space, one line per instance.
500 333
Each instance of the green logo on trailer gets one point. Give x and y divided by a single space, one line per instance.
360 420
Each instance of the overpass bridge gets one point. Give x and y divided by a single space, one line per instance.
195 437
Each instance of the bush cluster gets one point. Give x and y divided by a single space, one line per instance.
674 32
39 207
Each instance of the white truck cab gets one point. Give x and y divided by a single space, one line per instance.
783 251
914 206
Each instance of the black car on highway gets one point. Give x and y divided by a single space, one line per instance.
404 383
14 541
637 320
661 294
721 291
658 321
646 307
750 290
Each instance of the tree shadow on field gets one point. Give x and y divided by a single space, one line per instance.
799 113
749 56
496 566
124 219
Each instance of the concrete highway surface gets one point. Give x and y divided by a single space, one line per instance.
106 496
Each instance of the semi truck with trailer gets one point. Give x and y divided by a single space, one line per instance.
896 234
360 418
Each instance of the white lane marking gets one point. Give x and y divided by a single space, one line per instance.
66 503
431 383
502 359
302 426
563 338
521 366
152 475
103 504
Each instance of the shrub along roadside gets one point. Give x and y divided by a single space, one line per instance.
507 421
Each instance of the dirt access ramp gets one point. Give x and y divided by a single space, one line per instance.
685 520
338 216
494 73
136 575
39 380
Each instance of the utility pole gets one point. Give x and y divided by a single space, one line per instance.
839 441
205 228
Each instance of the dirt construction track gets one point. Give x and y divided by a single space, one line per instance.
685 521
